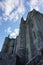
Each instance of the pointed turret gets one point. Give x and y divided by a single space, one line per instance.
22 20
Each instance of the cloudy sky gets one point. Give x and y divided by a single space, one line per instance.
11 12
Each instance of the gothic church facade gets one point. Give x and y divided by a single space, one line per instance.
29 43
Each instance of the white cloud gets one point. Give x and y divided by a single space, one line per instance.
35 7
35 4
14 16
8 30
21 8
9 5
15 33
20 11
5 18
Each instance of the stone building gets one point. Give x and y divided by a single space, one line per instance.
27 48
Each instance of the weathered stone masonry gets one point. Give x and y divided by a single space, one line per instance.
29 42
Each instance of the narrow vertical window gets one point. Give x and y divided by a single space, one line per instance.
34 34
32 25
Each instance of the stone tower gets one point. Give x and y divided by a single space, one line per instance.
34 33
9 46
5 45
22 36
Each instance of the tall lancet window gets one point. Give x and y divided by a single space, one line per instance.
34 35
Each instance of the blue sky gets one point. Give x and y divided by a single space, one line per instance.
11 12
